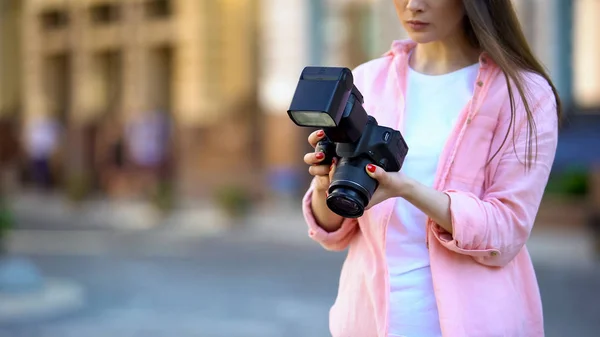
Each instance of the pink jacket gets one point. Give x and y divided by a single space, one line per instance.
483 277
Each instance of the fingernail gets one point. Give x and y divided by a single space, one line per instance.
321 133
371 168
334 161
320 155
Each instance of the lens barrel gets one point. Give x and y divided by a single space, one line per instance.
351 188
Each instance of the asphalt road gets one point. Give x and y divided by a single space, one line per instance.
236 287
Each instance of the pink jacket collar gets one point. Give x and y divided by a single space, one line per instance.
404 47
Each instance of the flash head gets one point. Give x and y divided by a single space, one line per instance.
327 98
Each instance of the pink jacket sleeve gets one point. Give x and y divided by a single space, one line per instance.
495 228
334 241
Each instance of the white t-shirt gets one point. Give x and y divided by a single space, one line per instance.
432 106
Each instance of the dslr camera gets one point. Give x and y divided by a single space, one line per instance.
327 98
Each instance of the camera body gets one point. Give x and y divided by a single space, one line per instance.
327 98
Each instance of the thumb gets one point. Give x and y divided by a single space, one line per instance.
377 173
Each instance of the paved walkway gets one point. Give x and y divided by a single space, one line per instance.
38 217
225 286
183 271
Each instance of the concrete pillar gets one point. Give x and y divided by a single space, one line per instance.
547 25
78 156
387 26
336 34
526 12
317 13
10 57
543 37
134 60
83 94
552 42
586 51
239 88
35 103
348 32
284 41
189 98
215 87
237 58
563 51
10 76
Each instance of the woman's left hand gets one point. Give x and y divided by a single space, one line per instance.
391 184
433 203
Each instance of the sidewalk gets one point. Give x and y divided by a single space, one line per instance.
549 244
280 223
53 212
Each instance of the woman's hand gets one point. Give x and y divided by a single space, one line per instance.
433 203
391 184
322 173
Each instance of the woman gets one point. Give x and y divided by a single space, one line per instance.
441 249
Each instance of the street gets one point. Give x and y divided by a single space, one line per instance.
235 285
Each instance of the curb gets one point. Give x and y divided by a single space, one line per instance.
31 213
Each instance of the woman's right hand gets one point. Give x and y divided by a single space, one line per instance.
322 173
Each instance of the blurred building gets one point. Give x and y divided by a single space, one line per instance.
87 60
10 93
225 72
10 58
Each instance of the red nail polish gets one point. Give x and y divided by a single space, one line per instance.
321 133
371 168
320 155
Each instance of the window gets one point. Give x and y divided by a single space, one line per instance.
104 13
157 9
54 19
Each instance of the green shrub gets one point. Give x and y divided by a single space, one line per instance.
234 200
78 187
163 197
6 220
571 182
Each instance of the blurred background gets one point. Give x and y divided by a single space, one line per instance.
150 179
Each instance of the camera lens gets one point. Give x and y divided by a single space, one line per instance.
346 202
351 188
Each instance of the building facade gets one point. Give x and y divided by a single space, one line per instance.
10 58
88 60
225 71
